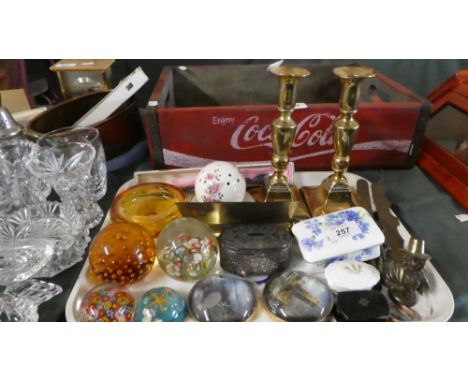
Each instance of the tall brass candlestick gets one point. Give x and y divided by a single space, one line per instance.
334 193
283 131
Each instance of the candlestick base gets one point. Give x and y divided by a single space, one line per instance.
329 197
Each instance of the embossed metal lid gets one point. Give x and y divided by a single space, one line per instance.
297 296
256 237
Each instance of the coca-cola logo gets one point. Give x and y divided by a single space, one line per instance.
314 129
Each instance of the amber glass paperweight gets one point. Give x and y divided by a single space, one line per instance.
187 249
151 205
122 253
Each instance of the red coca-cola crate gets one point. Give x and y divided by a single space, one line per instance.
197 114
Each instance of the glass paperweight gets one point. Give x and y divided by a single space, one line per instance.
152 205
254 250
53 221
366 305
220 298
187 249
107 303
161 304
122 253
297 296
21 259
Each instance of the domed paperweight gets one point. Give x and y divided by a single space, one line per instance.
187 249
161 304
122 253
107 303
297 296
222 298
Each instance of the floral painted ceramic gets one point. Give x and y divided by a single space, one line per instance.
220 182
339 234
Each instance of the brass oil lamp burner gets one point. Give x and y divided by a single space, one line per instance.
334 193
283 131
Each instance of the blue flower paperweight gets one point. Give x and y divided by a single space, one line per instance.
161 304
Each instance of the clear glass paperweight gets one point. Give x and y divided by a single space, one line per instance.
122 253
107 303
222 297
297 296
187 249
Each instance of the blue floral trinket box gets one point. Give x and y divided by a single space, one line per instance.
349 234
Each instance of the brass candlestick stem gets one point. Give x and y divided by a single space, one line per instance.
334 193
283 131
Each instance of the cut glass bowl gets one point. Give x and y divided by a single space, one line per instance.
21 259
56 221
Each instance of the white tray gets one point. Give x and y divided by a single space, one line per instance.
435 305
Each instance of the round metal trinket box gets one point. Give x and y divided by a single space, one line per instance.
161 304
221 298
297 296
250 250
107 303
187 249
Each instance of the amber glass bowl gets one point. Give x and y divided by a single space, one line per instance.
151 205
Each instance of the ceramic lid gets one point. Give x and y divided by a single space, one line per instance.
344 276
336 234
297 296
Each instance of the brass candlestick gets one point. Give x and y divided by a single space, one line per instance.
283 131
334 193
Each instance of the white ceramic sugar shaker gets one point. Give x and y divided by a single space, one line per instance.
345 276
220 182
